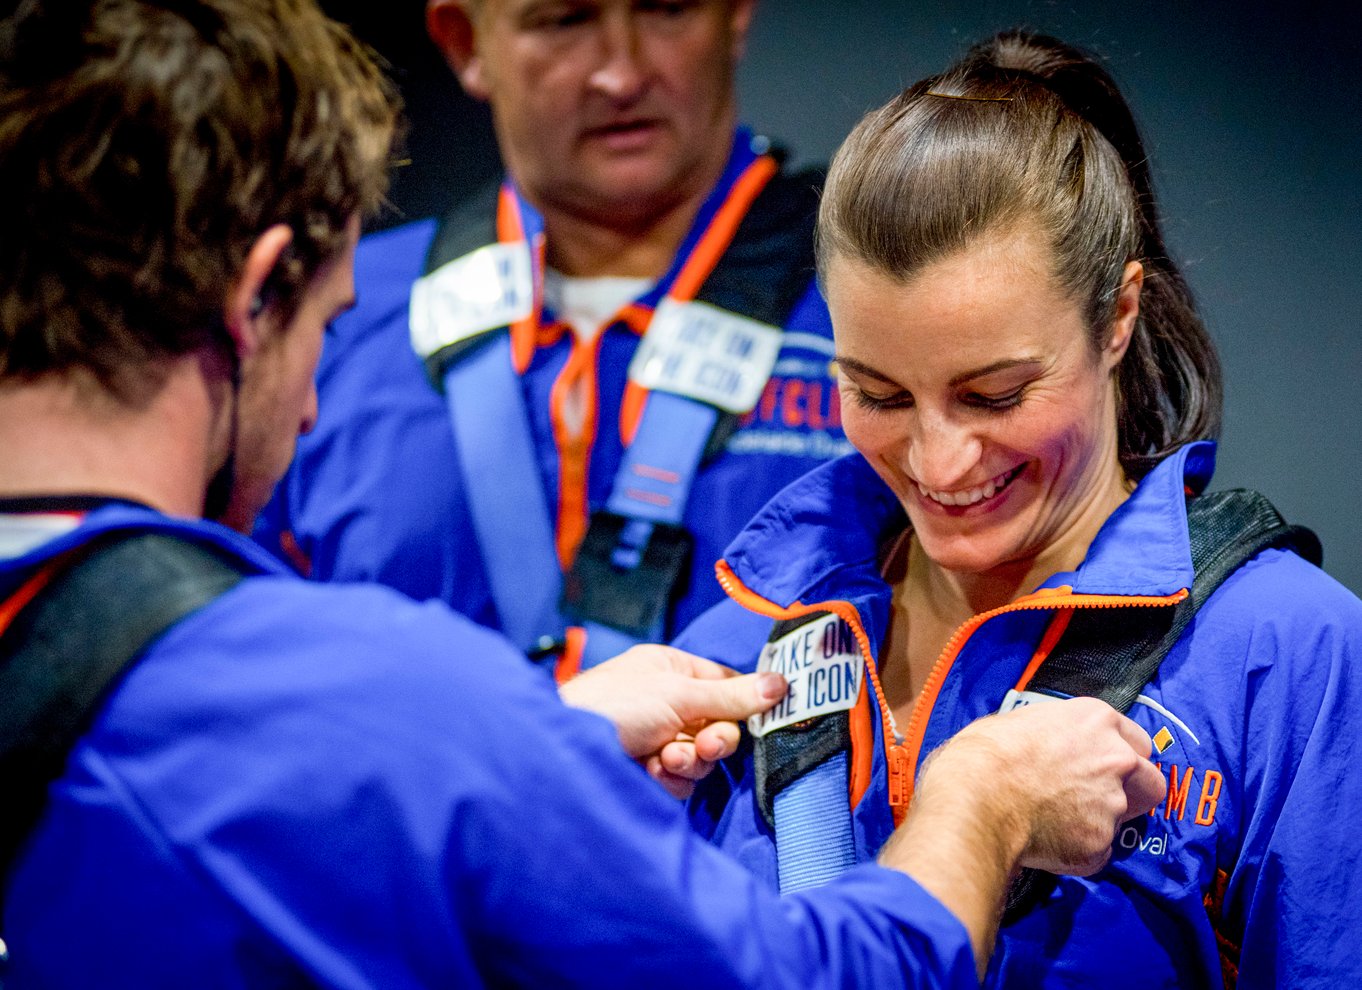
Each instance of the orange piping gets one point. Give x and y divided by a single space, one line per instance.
631 410
570 663
1048 642
722 228
511 228
574 451
15 603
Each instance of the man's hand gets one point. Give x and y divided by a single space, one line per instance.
1043 786
676 713
1073 771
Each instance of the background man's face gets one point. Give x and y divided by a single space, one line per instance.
611 107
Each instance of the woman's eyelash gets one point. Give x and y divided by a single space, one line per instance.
1007 401
867 401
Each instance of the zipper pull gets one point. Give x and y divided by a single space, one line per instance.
900 781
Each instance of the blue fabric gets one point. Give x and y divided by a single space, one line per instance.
305 785
671 438
491 429
375 494
1264 691
813 830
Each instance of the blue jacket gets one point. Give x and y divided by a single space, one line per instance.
375 492
306 785
1255 711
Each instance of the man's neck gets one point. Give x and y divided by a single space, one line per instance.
60 437
589 246
635 238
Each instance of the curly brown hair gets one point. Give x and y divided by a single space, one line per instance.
144 146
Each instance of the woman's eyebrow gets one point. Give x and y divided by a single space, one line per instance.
861 368
996 366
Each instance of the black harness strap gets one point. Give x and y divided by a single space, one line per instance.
65 651
1113 653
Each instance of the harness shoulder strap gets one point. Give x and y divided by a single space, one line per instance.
66 649
631 564
1113 653
801 774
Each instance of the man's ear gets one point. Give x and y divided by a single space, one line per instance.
450 24
246 300
1127 312
739 23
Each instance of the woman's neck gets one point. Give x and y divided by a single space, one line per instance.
931 602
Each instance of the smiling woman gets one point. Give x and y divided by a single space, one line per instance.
1033 400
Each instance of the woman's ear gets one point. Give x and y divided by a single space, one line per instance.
246 300
1127 313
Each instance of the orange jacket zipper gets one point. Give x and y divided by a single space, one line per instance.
1043 600
901 752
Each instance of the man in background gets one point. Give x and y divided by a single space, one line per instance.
553 407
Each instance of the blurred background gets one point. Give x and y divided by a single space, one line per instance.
1252 114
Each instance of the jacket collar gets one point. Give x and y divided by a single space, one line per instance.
822 536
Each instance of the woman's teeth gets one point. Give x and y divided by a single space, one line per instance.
971 496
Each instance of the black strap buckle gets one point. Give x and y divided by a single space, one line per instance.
626 573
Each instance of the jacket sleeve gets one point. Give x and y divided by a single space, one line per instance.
399 799
628 895
1294 884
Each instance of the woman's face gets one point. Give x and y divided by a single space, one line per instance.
976 394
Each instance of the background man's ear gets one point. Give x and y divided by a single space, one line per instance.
740 22
246 300
450 25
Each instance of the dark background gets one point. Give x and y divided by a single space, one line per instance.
1253 118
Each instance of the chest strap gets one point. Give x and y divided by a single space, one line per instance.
66 649
1105 653
634 556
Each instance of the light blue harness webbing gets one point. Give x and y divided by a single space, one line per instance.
505 496
814 843
508 504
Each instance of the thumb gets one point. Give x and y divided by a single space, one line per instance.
732 698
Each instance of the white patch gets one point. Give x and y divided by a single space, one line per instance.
486 289
706 353
1020 699
1149 702
22 532
823 664
815 443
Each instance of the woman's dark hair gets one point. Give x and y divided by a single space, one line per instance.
1027 132
144 146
